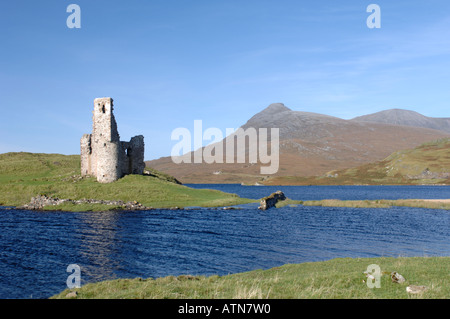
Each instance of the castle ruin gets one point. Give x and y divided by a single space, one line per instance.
103 155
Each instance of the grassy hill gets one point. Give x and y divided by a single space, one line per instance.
25 175
336 278
428 163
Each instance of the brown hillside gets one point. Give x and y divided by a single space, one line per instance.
310 144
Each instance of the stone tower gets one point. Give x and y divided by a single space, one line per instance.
103 154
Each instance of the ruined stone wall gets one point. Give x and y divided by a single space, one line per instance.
105 141
135 155
132 156
103 154
86 152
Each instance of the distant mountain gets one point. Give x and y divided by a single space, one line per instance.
311 144
408 118
294 124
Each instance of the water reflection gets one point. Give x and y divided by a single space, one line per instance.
99 246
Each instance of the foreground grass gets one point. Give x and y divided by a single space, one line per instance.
25 175
337 278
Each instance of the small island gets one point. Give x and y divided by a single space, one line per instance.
108 174
27 175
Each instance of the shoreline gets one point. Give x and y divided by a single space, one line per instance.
437 200
47 204
44 203
443 204
27 175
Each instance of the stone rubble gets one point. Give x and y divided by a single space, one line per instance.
397 278
413 289
39 202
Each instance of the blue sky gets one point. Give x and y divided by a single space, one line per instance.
167 63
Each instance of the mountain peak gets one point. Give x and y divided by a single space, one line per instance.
276 108
399 112
406 117
390 114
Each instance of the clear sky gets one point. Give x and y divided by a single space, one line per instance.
167 63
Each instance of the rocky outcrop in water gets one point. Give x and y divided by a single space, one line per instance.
271 200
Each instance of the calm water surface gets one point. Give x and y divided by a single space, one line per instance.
37 247
335 192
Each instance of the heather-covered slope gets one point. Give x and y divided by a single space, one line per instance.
311 144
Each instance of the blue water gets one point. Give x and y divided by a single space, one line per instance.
37 247
335 192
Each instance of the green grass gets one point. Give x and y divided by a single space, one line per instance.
376 203
336 278
25 175
379 203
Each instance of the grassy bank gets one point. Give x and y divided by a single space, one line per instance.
337 278
381 203
25 175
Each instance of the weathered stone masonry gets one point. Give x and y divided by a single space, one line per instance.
103 155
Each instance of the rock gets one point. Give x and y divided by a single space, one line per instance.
187 277
271 200
39 202
230 208
72 294
397 278
413 289
369 276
